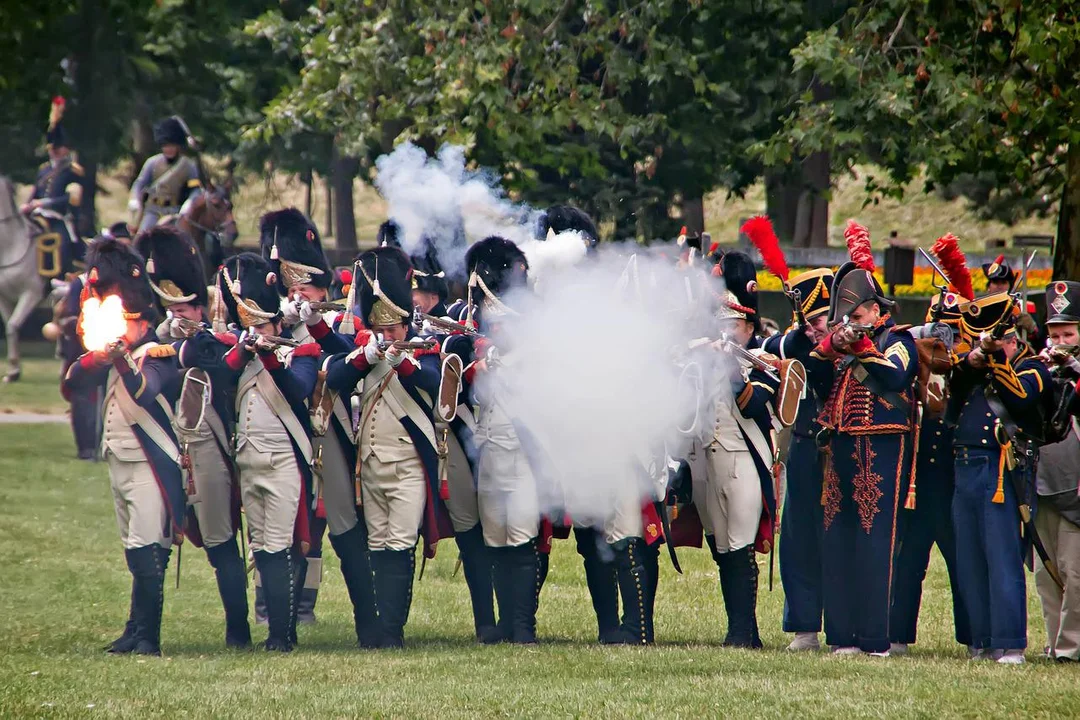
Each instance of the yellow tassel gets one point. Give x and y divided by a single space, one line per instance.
909 503
999 494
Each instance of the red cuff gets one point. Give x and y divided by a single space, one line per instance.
825 347
270 361
361 338
360 362
88 362
237 358
226 338
861 346
470 373
319 330
406 368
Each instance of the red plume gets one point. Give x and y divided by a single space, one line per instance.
999 259
760 231
858 245
346 276
947 250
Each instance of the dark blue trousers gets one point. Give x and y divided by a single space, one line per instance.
989 562
862 482
801 533
919 529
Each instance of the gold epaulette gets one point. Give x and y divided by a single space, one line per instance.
161 351
77 169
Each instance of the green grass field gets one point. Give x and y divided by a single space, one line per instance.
64 592
39 389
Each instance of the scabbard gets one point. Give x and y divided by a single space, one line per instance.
665 523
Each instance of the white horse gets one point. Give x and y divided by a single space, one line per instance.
21 288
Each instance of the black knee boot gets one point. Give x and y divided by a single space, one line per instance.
300 566
278 577
351 549
602 581
651 556
229 571
477 565
738 584
126 642
527 575
147 565
502 578
634 586
393 571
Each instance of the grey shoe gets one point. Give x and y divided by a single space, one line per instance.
805 642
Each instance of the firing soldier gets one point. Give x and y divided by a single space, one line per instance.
1058 516
996 391
53 207
867 436
397 466
85 403
204 415
507 493
273 382
291 243
139 443
929 521
734 494
167 179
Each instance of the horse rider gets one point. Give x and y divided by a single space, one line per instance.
53 207
167 179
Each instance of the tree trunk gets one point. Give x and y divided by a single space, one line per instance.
693 214
142 136
782 193
812 226
89 140
343 173
329 188
308 179
1067 244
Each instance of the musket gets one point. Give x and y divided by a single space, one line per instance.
408 345
860 329
741 353
795 296
1059 354
275 339
1024 288
449 326
190 327
937 269
328 307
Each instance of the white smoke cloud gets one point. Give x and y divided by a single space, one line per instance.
593 378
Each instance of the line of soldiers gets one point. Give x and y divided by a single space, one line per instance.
384 420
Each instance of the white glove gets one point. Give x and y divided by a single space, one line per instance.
427 329
247 340
394 356
307 315
290 314
176 329
372 353
134 205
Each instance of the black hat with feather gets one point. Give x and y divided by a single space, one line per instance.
173 265
290 243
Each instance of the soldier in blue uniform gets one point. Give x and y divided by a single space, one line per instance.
867 436
996 390
53 208
801 525
204 415
930 521
273 438
1000 277
139 443
292 245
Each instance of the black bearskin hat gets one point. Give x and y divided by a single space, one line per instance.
389 234
740 278
246 288
170 131
290 243
117 230
384 287
561 218
114 268
1063 302
497 264
55 136
173 265
428 275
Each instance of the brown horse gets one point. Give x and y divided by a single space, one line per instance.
208 219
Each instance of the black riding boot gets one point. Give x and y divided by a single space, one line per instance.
393 571
738 584
634 586
229 570
602 581
527 580
147 565
278 575
300 566
651 556
126 642
476 562
502 578
351 549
